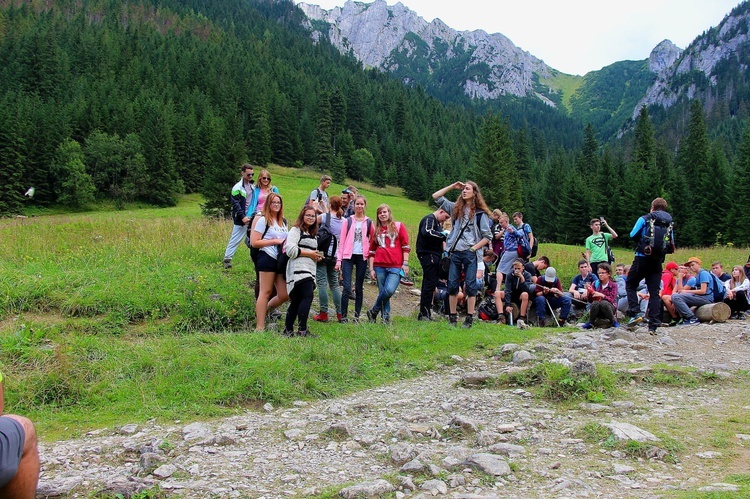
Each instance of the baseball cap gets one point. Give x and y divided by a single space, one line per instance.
693 259
672 266
550 274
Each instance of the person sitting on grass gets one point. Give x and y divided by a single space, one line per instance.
19 456
737 289
603 298
518 288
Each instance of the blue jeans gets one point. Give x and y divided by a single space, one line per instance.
683 302
561 302
326 275
466 261
359 264
388 279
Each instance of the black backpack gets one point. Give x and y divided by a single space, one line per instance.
487 311
327 242
657 239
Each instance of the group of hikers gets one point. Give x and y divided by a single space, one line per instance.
484 264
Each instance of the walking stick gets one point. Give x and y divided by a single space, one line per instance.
552 312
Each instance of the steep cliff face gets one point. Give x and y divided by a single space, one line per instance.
695 71
396 39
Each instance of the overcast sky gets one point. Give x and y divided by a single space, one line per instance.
576 36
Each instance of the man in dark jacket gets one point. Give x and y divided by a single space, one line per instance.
240 192
430 242
518 289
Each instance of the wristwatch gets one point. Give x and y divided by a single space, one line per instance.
473 249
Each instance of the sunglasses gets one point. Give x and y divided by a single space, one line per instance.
265 178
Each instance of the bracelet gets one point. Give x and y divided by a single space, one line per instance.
405 264
473 249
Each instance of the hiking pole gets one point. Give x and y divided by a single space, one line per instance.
552 312
511 318
561 293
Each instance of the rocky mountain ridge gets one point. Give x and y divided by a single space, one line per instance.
396 39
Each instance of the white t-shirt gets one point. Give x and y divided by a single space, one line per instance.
357 247
275 231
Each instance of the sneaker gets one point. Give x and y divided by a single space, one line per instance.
424 318
468 321
691 322
287 332
385 320
321 317
452 319
673 322
616 324
275 315
372 316
741 316
652 331
339 317
343 320
586 325
634 321
406 281
227 263
521 324
306 333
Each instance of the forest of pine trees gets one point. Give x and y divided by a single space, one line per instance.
143 101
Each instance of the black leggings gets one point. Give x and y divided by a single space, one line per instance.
739 304
300 301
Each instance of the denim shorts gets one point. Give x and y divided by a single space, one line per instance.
12 439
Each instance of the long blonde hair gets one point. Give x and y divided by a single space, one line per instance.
265 173
267 210
737 282
389 224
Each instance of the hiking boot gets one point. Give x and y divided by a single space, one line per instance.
424 318
372 316
306 333
339 317
287 332
521 324
321 317
452 319
343 320
468 321
227 263
501 319
635 320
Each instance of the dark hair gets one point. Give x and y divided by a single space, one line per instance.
544 259
581 262
604 266
312 229
594 220
247 166
518 214
519 260
659 204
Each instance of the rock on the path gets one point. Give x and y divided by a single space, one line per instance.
464 423
367 489
195 431
489 463
402 453
55 488
476 379
521 357
709 455
165 471
627 431
720 487
435 487
507 449
622 469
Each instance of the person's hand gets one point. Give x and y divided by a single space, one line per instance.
372 274
337 267
245 220
458 185
508 310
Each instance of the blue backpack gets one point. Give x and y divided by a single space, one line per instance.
717 288
524 247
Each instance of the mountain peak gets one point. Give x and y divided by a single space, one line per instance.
663 56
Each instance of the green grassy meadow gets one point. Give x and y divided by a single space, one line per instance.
112 317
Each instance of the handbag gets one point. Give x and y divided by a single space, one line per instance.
445 261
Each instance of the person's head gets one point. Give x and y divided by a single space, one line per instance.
247 172
518 266
336 203
620 269
264 180
307 220
583 267
738 274
717 268
518 218
672 267
595 225
325 182
441 215
273 209
541 263
489 256
353 191
345 197
360 203
693 264
604 272
384 214
659 204
496 214
471 197
504 221
550 275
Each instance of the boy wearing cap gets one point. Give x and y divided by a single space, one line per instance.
549 290
668 283
701 294
19 456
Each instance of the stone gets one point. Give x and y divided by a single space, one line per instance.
623 405
489 463
622 469
195 431
294 434
268 407
620 343
583 367
464 423
522 357
588 407
709 455
720 487
627 431
506 428
413 466
402 453
506 449
129 429
59 487
435 487
150 460
374 488
584 342
339 430
509 347
165 471
476 379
